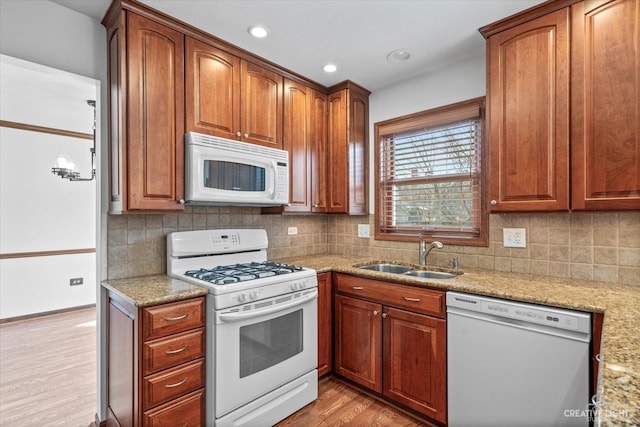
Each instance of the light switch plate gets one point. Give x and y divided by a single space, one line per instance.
514 237
292 230
363 231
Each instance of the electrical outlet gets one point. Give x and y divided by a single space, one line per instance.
292 230
76 281
363 231
514 237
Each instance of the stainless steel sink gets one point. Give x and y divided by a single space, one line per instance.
386 268
428 274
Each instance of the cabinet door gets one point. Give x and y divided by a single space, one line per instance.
338 156
155 133
528 115
357 151
348 129
605 105
261 107
358 345
325 347
415 354
297 114
212 90
319 151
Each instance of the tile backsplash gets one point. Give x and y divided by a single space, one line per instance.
591 246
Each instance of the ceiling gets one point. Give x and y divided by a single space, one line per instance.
355 35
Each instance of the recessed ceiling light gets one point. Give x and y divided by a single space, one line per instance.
329 68
398 55
258 31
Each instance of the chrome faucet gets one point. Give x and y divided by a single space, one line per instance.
424 249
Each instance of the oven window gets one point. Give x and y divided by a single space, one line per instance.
265 344
233 176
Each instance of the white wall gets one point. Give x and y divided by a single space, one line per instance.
461 81
49 34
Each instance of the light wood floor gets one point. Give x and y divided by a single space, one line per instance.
47 378
339 404
48 370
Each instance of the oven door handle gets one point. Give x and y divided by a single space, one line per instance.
236 317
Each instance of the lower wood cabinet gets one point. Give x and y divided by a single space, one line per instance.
325 342
391 339
156 365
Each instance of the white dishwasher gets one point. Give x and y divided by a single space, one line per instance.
516 364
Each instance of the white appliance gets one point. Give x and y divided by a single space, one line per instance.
262 336
516 364
221 171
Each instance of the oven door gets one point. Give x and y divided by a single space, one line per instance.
263 345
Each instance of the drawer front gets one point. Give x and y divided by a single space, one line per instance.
175 382
173 350
416 299
186 411
166 319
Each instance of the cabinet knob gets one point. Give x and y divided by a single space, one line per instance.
493 203
238 133
384 315
375 312
246 135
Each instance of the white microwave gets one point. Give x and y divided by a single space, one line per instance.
224 172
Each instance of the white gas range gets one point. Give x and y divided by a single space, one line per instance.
261 325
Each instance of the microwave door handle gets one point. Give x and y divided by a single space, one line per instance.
274 170
237 317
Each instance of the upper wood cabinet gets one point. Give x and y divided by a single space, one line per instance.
232 98
348 130
605 90
563 107
146 79
528 115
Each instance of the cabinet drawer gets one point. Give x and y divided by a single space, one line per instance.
166 385
173 350
168 319
416 299
186 411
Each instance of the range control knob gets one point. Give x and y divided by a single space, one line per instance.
294 286
303 285
242 298
253 295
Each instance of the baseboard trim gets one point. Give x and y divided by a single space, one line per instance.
46 313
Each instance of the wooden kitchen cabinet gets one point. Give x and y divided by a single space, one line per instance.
605 105
348 128
146 107
563 106
230 97
391 338
528 115
325 322
156 365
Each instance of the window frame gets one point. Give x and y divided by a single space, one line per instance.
433 118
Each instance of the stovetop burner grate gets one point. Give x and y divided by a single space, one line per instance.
225 274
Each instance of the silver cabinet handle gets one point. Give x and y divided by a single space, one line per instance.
246 135
384 315
238 133
357 288
180 350
173 319
375 312
177 384
493 203
411 299
598 357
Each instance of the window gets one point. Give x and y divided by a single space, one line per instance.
430 179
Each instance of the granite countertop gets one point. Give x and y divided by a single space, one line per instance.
619 377
152 290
